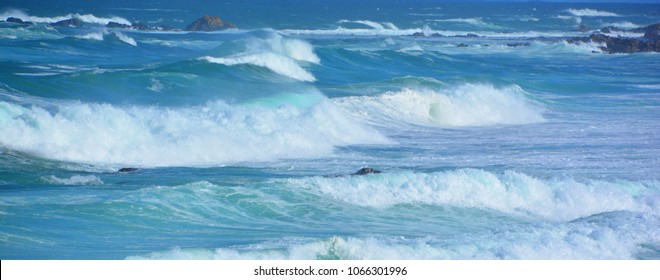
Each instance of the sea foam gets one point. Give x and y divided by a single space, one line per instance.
74 180
209 135
590 13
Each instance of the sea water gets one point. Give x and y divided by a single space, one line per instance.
496 138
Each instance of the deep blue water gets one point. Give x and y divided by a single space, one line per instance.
513 144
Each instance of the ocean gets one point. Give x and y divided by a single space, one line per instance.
495 137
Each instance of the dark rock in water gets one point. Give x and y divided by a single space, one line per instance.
515 45
18 21
74 22
610 29
461 45
472 35
625 45
652 32
649 43
128 169
366 170
165 28
113 24
140 26
209 23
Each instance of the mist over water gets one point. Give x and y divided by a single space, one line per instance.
496 137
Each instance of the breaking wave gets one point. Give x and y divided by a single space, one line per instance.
465 105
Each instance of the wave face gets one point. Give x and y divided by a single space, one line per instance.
496 136
466 105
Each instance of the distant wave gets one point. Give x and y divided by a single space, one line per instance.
479 22
74 180
511 192
89 18
277 63
590 13
372 24
210 135
465 105
623 24
276 53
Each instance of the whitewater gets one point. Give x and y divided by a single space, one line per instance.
496 137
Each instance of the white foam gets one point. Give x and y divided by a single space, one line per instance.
74 180
98 36
210 135
275 52
511 192
590 13
623 24
126 39
373 24
465 105
472 21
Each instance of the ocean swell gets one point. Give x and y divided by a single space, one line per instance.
511 192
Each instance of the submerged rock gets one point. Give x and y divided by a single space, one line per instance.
128 169
18 21
72 22
209 23
366 170
515 45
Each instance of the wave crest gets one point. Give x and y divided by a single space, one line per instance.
465 105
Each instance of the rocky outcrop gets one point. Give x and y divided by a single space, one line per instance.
18 21
209 23
650 42
72 22
113 24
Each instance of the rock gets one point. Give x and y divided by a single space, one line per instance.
461 45
472 35
18 21
128 169
209 23
140 26
366 170
515 45
73 22
625 45
649 43
113 24
652 32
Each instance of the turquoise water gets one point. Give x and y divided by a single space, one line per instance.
512 144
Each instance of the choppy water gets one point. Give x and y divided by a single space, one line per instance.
510 145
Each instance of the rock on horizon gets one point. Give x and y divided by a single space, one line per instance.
209 23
